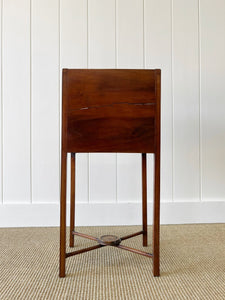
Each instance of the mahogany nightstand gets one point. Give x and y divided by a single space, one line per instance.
111 111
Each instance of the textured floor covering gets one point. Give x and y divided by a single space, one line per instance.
192 265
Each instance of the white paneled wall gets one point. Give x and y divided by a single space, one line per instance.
45 101
1 198
16 91
73 54
186 39
130 54
212 99
158 54
186 116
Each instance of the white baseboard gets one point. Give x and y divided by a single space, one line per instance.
31 215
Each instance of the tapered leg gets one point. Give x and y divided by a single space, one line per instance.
156 216
144 200
62 262
72 199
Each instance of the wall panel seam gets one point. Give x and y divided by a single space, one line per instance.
88 155
172 94
116 65
144 64
1 104
87 33
59 91
31 124
200 101
116 32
